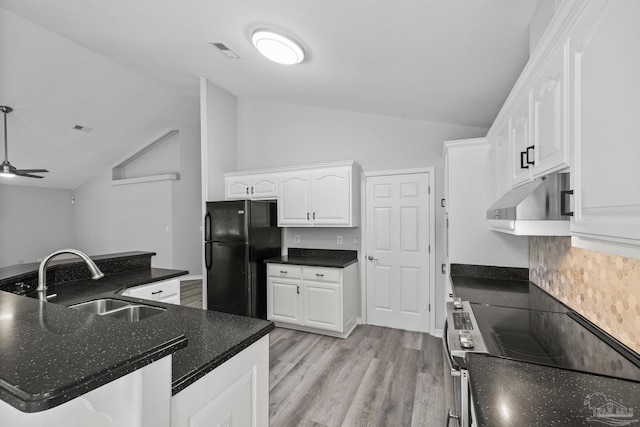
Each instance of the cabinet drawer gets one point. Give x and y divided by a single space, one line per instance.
321 274
284 270
155 291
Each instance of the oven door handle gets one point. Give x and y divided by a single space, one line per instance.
449 361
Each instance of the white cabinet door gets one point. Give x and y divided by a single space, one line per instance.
264 186
323 305
550 130
294 204
520 139
502 153
237 187
606 182
283 300
331 197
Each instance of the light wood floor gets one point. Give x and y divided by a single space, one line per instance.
376 377
191 293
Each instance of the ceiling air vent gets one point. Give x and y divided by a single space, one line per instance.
225 50
83 128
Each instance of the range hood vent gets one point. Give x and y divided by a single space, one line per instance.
533 209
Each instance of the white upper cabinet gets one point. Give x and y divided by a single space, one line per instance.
251 186
519 140
320 197
294 204
549 117
605 49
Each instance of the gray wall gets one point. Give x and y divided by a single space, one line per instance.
272 134
33 223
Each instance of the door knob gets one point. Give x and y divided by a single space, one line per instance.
370 258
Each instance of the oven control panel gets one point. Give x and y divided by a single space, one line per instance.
463 334
462 321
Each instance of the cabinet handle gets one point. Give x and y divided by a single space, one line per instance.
532 162
523 161
283 271
307 216
563 202
297 289
314 215
156 292
442 203
319 275
247 190
251 190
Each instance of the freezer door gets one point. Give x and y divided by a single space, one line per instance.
228 287
228 221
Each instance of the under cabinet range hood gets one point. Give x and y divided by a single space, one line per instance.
533 209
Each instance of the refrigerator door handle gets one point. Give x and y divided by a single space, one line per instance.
207 256
207 226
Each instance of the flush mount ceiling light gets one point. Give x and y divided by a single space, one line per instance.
277 47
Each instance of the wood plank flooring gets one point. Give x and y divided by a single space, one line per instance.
376 377
191 293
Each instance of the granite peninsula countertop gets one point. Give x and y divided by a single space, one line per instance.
512 393
34 372
317 258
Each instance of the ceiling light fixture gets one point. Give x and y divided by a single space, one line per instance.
277 47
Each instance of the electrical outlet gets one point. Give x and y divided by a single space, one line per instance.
296 238
355 241
339 240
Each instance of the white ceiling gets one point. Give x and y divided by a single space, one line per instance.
450 61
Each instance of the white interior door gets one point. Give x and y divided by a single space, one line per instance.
397 251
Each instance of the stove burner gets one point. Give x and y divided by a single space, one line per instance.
522 345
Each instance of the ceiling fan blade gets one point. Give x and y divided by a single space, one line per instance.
28 175
32 170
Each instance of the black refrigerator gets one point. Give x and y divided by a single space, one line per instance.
239 235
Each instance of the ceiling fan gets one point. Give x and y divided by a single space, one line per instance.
6 168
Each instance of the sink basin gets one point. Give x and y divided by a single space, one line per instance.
118 309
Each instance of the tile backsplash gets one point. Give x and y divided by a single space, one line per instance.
603 288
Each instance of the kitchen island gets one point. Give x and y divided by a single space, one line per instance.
56 354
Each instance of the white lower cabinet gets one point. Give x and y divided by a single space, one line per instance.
235 394
315 299
138 399
167 291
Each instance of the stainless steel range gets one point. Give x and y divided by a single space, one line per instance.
461 336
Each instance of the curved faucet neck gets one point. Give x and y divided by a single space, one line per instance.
42 269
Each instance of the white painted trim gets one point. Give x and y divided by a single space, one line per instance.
430 171
292 168
397 172
204 176
143 179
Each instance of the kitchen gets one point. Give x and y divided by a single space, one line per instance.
325 131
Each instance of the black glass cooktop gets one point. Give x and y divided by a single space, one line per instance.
550 338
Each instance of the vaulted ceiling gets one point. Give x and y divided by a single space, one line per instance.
117 66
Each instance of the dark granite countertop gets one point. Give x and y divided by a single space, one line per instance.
501 286
317 258
211 339
512 393
51 354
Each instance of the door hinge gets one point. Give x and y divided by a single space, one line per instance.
429 249
429 307
429 190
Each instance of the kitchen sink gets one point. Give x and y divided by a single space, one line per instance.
118 309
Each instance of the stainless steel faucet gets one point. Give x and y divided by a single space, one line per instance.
42 270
